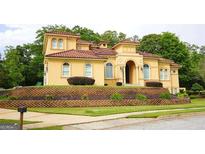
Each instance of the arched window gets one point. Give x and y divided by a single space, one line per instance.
54 43
108 70
60 44
146 72
66 70
88 70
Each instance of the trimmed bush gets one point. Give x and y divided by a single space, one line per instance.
141 97
105 84
4 97
118 83
197 87
84 97
154 84
182 95
117 97
78 80
165 96
49 97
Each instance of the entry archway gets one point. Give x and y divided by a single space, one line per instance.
130 72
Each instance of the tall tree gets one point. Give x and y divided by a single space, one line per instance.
113 37
86 34
151 43
13 67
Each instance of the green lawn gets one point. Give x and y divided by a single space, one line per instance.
99 111
49 128
10 121
158 114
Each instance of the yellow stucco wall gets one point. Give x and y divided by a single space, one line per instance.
174 78
68 44
83 47
153 65
77 68
126 49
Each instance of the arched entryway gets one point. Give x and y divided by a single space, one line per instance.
130 72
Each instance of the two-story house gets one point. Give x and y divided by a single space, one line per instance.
66 55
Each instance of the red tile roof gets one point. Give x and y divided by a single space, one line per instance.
105 51
76 54
83 42
147 54
63 33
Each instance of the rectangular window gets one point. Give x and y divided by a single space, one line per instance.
165 74
161 74
88 70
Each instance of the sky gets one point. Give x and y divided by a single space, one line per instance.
18 34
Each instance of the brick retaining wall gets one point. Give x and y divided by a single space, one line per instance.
88 103
75 93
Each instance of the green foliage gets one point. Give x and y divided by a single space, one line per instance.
49 97
182 95
165 96
13 98
197 87
112 37
141 97
117 97
4 97
84 97
168 45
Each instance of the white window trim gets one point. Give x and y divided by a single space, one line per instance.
112 71
69 69
91 70
149 72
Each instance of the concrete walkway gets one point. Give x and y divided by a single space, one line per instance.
62 119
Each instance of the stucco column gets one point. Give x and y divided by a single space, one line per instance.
137 74
122 68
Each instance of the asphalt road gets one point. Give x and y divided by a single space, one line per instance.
185 122
191 122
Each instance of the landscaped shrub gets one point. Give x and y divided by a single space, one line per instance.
49 97
117 97
197 87
141 97
78 80
165 95
4 97
182 95
118 83
154 84
13 98
105 84
84 97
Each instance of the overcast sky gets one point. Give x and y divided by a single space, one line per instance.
20 34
